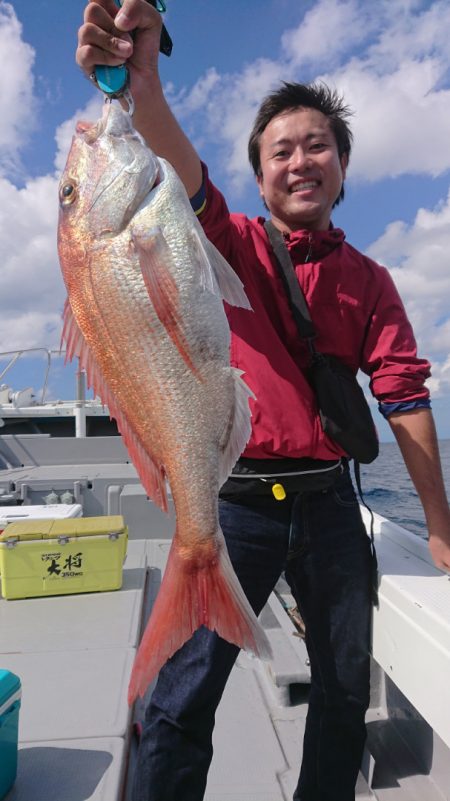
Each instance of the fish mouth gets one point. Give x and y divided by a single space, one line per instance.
83 126
90 131
116 128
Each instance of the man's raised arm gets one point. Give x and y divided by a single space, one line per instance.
104 38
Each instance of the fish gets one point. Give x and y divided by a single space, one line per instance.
145 317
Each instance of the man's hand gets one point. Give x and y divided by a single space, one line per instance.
104 38
439 543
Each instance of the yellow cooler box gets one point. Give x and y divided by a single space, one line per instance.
58 557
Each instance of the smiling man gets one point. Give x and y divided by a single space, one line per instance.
299 149
298 168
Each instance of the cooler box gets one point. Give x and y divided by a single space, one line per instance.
13 514
59 557
10 692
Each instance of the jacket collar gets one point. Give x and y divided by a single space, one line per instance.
304 245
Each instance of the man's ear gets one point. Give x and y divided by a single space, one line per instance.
259 182
344 164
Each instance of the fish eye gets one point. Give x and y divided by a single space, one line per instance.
67 194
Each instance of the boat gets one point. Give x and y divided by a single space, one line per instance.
73 653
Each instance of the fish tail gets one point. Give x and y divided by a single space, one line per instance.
190 596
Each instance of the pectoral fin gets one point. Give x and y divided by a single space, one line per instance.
216 275
238 428
155 259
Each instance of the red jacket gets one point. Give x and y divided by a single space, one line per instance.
355 309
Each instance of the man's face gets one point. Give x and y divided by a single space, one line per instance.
301 172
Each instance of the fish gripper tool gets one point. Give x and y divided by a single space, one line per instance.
114 82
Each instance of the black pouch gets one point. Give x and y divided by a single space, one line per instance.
344 411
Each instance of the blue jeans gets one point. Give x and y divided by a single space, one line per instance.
319 541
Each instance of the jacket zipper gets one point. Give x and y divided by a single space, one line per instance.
309 253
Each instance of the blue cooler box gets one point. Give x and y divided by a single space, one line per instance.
10 693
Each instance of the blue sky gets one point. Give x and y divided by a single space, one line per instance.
390 59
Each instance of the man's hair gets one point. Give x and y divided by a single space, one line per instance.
292 96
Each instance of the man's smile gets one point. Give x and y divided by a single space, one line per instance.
303 186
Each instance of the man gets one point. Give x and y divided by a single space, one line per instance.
299 149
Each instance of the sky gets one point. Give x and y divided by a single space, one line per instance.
391 61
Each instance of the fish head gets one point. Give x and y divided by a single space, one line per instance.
108 173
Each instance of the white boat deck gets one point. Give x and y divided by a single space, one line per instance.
74 656
74 653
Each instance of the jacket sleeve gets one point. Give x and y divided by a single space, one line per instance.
213 214
397 375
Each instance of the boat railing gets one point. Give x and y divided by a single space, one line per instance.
49 355
15 355
24 398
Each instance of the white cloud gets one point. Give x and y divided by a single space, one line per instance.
64 133
327 31
16 89
410 30
402 124
31 282
226 113
33 291
187 102
396 81
397 85
232 111
418 258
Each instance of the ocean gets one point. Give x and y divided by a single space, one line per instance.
389 491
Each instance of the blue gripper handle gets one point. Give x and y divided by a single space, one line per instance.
113 81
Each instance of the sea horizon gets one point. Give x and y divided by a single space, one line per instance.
388 489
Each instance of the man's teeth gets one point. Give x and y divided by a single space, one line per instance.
301 187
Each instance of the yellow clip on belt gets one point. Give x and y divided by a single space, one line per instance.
278 492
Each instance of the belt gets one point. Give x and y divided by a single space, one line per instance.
279 477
